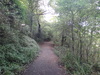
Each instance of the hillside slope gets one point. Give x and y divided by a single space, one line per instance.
16 50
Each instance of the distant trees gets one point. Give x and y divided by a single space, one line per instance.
33 7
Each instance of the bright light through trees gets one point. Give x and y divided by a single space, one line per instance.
49 15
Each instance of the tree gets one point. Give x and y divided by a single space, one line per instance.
77 20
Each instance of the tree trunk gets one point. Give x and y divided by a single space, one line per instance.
31 23
39 30
62 40
72 30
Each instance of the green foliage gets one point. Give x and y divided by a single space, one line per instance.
15 52
8 73
78 31
72 63
16 48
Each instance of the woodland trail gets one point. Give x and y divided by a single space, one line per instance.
46 63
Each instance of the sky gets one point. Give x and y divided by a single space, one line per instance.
49 11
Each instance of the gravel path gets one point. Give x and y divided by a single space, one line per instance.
46 63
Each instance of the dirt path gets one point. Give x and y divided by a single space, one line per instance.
46 63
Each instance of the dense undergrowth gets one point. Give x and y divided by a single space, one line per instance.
74 66
16 47
16 50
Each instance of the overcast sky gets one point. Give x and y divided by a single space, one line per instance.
49 11
44 5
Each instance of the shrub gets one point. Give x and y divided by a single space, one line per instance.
14 55
73 64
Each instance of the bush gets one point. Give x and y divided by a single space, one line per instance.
73 64
13 55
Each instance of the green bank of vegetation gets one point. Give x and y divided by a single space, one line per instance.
17 47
